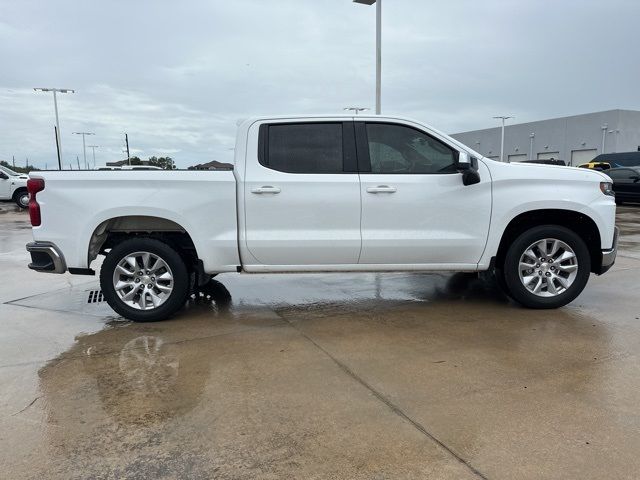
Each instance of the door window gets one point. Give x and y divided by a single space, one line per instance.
303 147
621 174
405 150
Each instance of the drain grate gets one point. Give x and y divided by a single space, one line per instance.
95 296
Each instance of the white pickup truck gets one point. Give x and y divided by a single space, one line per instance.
13 186
326 194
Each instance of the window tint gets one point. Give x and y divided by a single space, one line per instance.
400 149
304 148
620 174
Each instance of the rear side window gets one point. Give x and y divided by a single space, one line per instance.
302 147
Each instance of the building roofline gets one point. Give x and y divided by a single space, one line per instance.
613 110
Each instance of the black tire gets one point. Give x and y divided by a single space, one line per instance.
176 299
520 293
21 197
498 276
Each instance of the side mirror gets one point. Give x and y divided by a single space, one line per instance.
464 162
635 178
4 176
468 166
470 177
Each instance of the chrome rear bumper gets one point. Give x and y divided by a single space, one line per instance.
45 257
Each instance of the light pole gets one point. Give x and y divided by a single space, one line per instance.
532 136
504 118
356 109
84 147
604 135
378 49
55 106
93 147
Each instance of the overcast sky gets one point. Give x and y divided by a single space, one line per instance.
178 75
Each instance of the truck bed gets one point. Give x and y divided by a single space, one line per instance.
74 204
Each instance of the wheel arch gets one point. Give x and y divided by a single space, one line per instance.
113 230
583 225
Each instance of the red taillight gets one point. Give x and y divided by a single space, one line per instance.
34 185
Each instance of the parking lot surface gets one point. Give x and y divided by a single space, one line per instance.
369 376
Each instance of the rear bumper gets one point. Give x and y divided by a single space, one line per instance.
46 257
609 255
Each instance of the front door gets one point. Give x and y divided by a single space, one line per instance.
302 196
5 186
415 208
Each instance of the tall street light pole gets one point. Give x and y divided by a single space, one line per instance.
357 110
84 146
532 137
55 106
604 135
503 118
378 49
93 147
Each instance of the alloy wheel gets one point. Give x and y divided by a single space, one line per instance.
548 267
143 280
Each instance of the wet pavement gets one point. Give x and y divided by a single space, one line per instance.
320 376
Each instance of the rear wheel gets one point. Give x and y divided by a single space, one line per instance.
547 267
21 197
144 280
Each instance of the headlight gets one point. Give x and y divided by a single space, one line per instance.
607 188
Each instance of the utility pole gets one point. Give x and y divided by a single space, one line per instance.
55 106
14 161
126 140
93 147
84 147
58 148
504 118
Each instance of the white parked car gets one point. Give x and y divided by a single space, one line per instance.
13 186
318 194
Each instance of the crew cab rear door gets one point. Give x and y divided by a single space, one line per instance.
415 208
302 195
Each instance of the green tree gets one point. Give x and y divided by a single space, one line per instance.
166 163
26 169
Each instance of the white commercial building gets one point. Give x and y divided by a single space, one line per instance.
576 139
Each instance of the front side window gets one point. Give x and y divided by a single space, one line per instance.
304 148
401 149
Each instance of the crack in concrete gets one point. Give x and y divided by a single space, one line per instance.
392 406
25 408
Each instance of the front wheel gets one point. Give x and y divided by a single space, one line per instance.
21 197
547 267
144 280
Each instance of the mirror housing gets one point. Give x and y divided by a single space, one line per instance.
468 166
464 161
4 176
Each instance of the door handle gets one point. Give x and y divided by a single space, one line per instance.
381 189
266 189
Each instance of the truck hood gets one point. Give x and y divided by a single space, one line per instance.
536 171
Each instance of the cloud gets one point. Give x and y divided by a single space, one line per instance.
177 76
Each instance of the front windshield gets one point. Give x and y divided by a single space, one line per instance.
8 171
